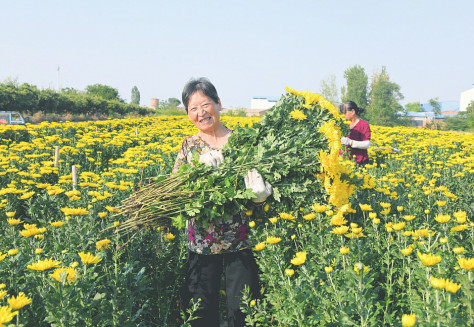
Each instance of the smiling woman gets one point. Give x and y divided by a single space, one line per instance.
220 247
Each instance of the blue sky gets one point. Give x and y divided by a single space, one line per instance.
246 48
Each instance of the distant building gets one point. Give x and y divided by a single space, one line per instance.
259 105
466 98
154 102
421 119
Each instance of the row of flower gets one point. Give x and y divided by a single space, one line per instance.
401 252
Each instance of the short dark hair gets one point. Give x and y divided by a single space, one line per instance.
349 106
199 84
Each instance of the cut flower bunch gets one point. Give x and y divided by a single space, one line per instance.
296 147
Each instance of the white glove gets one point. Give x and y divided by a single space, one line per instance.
345 140
212 158
360 144
254 181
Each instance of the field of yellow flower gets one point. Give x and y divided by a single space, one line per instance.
401 253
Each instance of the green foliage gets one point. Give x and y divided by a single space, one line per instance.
357 84
174 101
329 89
103 91
463 121
414 107
28 99
384 100
240 112
135 99
170 104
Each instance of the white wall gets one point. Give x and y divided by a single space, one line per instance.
466 98
261 104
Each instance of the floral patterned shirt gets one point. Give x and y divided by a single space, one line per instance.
224 235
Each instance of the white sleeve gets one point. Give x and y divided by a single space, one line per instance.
360 144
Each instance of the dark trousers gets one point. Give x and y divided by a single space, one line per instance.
203 277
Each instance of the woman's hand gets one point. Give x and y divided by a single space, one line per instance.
345 141
254 181
212 158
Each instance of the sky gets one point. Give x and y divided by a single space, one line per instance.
246 48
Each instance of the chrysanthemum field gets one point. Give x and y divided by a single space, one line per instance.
399 253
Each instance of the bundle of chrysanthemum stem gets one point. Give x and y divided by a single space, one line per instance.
156 203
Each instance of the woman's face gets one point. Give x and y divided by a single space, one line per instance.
203 111
350 114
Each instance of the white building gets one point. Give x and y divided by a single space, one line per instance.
466 98
262 103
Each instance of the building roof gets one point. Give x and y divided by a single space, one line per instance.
270 99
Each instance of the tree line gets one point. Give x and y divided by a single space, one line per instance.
97 99
381 99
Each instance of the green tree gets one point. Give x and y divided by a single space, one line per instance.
104 91
329 89
470 108
414 107
174 102
436 109
357 81
135 99
384 100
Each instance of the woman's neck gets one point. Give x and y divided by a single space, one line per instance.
354 122
216 138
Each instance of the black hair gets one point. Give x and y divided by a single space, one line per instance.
199 84
349 106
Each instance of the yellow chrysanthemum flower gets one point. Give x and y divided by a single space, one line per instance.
344 250
12 252
319 208
88 258
451 287
365 207
399 226
13 221
11 214
32 231
340 230
287 216
459 228
273 220
38 251
69 271
169 237
310 216
407 250
408 320
42 265
442 218
289 272
429 259
298 115
273 240
56 223
459 250
6 314
408 217
102 214
75 211
19 302
437 282
260 246
102 244
465 263
460 216
328 270
299 259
